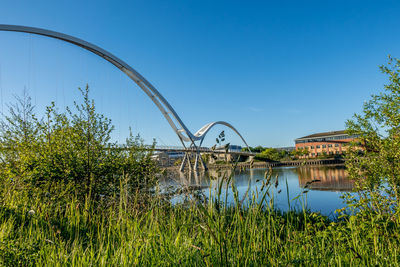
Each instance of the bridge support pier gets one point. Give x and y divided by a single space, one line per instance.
182 167
203 164
197 157
196 162
195 167
183 164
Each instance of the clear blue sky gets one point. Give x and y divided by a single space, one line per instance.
276 70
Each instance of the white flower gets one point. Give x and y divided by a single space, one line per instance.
31 212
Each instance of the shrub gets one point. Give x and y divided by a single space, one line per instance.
71 148
377 168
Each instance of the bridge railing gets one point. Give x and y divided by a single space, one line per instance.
190 149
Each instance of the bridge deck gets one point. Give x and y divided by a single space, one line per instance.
193 150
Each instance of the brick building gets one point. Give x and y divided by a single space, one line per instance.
328 143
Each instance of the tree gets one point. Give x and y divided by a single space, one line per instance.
269 154
377 170
299 153
71 148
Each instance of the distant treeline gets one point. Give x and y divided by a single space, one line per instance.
274 154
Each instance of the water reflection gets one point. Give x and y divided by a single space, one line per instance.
288 182
330 179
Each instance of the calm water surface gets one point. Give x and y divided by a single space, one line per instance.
323 196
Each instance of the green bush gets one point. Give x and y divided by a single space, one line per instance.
70 148
376 168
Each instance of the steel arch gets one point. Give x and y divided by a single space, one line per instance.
201 133
184 134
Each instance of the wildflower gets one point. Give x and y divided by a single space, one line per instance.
31 212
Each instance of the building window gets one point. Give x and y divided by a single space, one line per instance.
330 145
337 152
323 146
312 147
318 146
336 145
313 154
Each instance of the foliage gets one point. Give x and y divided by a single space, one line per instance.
297 153
374 159
71 148
274 154
257 149
210 233
271 154
218 146
178 162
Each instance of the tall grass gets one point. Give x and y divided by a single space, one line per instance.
127 230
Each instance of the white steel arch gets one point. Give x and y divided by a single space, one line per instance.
184 134
204 130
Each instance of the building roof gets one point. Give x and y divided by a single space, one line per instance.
325 134
287 148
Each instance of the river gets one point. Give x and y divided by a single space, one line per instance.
287 183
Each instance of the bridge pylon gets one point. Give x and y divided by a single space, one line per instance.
194 150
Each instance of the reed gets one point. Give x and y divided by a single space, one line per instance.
124 232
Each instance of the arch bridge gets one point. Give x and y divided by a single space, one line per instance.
188 139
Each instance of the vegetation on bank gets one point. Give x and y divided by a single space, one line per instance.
377 170
124 232
70 148
69 197
275 154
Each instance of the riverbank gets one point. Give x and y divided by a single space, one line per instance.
263 164
258 164
124 232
